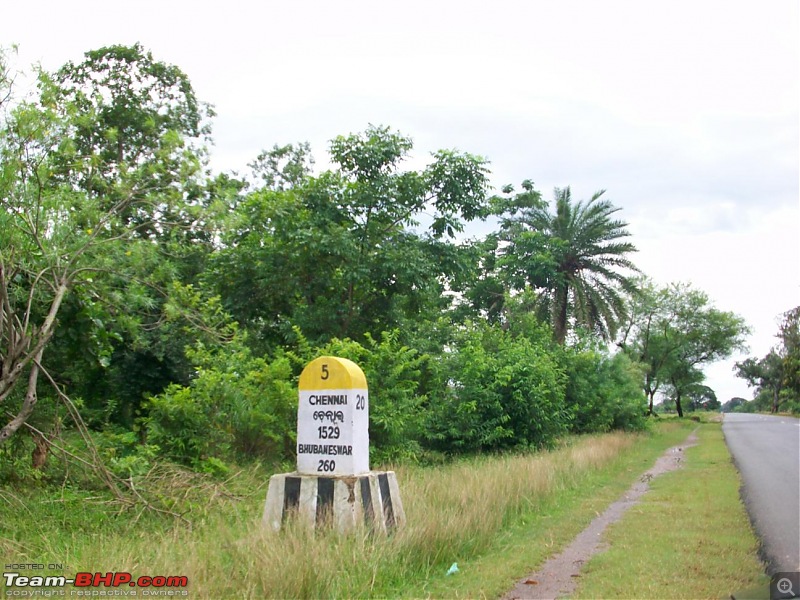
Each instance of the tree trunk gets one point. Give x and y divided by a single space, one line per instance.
650 391
678 404
560 314
26 352
27 405
42 444
40 451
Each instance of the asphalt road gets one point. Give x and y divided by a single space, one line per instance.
766 450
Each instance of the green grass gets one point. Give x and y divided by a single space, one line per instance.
689 538
498 517
526 543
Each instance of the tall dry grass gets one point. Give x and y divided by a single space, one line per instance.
453 512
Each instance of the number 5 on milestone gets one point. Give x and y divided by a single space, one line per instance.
333 418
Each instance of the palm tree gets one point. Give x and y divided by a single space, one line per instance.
576 261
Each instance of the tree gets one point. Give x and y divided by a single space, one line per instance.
682 379
789 335
777 375
702 397
647 310
337 254
574 258
127 112
133 120
283 167
88 185
675 332
766 374
733 404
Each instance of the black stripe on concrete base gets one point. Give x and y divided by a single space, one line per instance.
324 500
366 501
291 496
344 502
386 498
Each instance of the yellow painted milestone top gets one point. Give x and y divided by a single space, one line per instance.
332 373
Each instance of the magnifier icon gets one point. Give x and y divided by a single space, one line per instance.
785 586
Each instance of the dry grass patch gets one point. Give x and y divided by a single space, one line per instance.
454 512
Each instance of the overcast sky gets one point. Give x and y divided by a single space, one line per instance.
685 111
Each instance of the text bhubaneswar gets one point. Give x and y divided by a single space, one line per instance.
326 449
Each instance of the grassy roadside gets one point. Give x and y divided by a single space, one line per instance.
497 517
689 538
543 531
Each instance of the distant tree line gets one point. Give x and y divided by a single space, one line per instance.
776 376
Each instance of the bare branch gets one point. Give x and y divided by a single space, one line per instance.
27 405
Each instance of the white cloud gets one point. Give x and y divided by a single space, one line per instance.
753 271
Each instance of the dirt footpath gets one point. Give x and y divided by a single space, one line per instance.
559 575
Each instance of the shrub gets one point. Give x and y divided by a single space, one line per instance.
237 404
603 392
500 392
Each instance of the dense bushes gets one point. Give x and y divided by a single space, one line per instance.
242 406
488 389
500 391
477 388
238 404
603 392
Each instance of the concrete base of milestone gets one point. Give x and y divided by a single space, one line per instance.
346 502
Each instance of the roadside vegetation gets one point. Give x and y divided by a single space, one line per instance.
690 537
776 376
155 316
496 516
157 311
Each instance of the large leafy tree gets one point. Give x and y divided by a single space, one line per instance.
127 112
675 331
342 253
135 124
575 258
92 187
766 375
